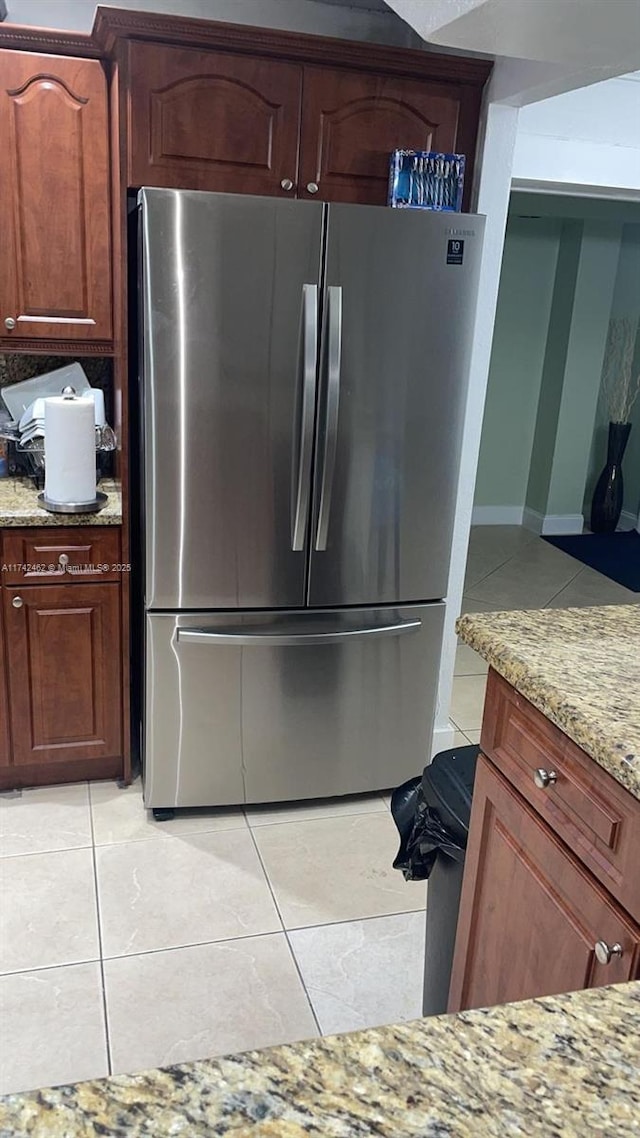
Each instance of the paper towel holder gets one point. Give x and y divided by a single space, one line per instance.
98 503
92 507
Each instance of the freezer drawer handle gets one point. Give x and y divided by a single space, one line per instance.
334 352
301 465
251 637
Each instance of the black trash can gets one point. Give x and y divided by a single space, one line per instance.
432 815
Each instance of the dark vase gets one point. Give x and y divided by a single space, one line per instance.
606 505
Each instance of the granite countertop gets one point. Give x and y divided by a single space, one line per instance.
580 668
559 1067
19 506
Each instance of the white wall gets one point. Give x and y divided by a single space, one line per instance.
588 137
491 199
310 16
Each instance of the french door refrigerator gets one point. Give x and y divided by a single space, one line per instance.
304 369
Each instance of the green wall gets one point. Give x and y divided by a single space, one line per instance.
626 303
524 305
555 344
568 265
588 327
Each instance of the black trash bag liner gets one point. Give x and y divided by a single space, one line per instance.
422 834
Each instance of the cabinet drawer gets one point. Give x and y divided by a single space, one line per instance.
595 816
59 553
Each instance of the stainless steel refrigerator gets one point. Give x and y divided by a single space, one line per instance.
304 369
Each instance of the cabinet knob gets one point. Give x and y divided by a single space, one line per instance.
9 323
544 779
312 187
17 602
605 952
63 560
286 184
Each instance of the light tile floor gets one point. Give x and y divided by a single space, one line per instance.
508 567
126 944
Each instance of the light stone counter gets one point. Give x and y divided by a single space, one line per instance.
560 1067
19 506
580 668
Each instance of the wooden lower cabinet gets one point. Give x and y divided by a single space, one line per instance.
530 913
64 661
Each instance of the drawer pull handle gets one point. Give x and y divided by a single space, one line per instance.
286 184
63 560
9 323
312 187
605 952
17 602
543 779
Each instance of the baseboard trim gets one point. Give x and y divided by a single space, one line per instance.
496 516
442 739
546 524
532 520
629 520
557 525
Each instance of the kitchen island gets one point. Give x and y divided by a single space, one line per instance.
566 1065
580 668
551 892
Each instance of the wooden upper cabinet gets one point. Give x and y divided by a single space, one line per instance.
208 120
4 710
530 913
352 121
64 659
54 187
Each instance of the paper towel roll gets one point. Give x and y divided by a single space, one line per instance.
96 396
69 450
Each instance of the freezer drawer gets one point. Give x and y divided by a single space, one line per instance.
259 707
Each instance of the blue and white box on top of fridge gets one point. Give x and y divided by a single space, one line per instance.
426 179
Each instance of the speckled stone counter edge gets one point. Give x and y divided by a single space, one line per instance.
19 507
566 1065
496 647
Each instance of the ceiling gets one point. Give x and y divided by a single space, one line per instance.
591 33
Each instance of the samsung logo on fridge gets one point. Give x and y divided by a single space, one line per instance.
461 232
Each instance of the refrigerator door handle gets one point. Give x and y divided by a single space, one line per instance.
247 637
301 469
334 352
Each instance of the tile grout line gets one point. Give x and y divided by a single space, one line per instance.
500 566
205 943
547 603
46 853
105 1010
286 935
320 817
512 558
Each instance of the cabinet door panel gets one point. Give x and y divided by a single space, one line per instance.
64 666
207 120
593 814
54 186
4 709
530 914
351 122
